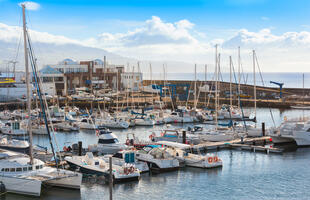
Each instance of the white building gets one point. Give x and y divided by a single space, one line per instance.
53 81
132 80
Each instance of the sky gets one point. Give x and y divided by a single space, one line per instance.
175 30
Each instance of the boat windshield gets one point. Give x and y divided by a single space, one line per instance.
108 141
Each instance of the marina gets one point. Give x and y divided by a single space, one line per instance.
106 127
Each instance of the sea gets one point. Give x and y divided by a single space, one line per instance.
290 79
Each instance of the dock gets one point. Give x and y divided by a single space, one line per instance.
250 144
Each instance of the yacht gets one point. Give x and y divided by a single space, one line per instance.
89 164
144 121
13 128
67 126
293 130
21 177
107 143
158 159
21 146
194 160
86 123
112 123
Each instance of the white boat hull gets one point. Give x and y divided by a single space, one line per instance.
23 186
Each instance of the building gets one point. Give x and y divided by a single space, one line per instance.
53 81
132 80
92 74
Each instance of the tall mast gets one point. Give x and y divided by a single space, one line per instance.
254 78
230 86
216 86
195 87
28 85
206 68
239 75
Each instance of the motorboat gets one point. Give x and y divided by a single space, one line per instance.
293 130
91 165
113 123
21 177
158 159
144 121
107 143
194 160
86 123
13 128
21 146
67 126
129 157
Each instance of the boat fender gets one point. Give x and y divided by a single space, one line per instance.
210 160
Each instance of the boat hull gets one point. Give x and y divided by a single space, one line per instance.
23 186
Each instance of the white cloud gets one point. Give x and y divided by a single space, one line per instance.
13 33
153 31
265 18
30 5
156 40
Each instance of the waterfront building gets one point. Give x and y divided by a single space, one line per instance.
132 80
92 74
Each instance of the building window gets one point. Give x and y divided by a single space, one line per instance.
47 79
58 78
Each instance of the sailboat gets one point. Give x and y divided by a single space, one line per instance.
21 173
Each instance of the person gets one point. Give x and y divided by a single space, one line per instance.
69 148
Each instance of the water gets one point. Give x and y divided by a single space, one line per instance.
244 175
290 80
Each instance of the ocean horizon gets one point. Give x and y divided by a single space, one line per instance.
290 79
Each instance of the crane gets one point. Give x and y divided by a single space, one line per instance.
280 87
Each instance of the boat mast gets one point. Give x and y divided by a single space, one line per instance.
206 68
239 75
216 86
195 102
254 78
230 86
28 85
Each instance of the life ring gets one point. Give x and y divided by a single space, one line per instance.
215 158
210 160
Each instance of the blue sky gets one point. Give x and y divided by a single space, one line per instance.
82 19
174 30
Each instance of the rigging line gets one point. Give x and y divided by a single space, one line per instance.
238 94
263 83
20 38
35 76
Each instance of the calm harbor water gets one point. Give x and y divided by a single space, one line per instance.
244 175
